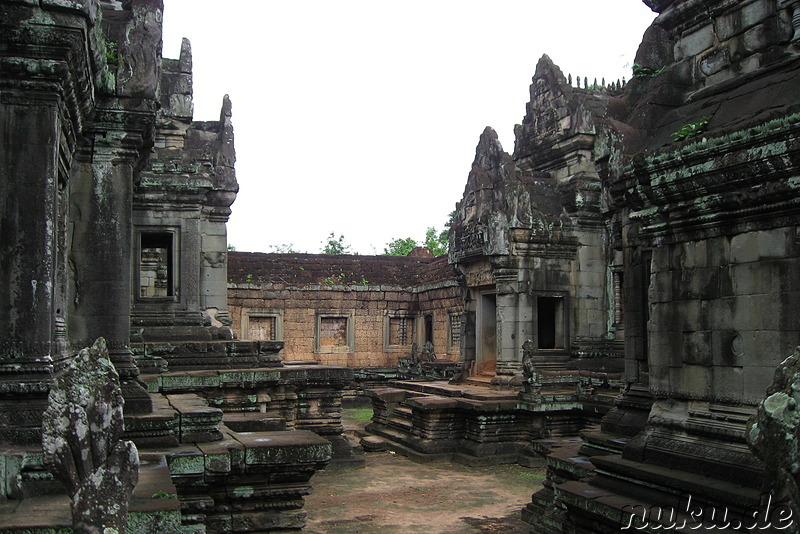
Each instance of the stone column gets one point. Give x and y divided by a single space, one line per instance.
28 310
214 262
509 357
101 253
44 95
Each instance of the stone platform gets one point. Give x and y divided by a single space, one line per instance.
473 424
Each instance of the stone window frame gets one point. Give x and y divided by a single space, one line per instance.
564 312
350 346
454 347
388 315
247 313
175 234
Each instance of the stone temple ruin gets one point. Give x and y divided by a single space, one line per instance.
618 303
113 212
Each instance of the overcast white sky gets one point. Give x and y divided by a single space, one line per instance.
361 117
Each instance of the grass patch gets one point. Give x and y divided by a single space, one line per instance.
523 474
359 414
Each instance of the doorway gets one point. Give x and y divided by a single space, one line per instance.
486 343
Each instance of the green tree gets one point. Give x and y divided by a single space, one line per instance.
336 246
434 243
439 243
399 247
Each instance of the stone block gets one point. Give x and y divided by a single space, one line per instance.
773 243
187 460
214 243
721 76
693 43
758 379
756 38
728 383
697 347
727 347
284 447
660 377
714 61
755 12
750 63
744 248
690 380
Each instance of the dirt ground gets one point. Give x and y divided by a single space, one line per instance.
392 494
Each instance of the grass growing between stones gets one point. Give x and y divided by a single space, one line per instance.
359 414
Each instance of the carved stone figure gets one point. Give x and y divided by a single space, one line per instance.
531 382
80 438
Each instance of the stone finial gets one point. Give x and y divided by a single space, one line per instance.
774 434
80 440
185 60
226 112
489 152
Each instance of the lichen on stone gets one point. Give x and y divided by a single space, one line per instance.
80 440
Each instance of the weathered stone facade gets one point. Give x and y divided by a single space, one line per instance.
112 217
698 160
181 203
530 240
354 311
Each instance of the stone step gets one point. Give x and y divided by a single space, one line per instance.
197 421
154 505
253 422
566 459
598 443
615 469
156 429
611 511
256 479
443 389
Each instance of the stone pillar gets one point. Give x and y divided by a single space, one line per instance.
44 95
214 275
525 322
214 245
509 357
29 194
101 253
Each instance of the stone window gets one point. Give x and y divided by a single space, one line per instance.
455 331
156 265
399 331
334 332
262 325
550 322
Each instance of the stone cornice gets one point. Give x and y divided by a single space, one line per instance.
728 179
48 60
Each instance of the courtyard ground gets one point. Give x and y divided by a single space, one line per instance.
392 494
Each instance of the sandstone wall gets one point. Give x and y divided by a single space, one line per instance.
339 309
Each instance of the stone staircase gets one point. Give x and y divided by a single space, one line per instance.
434 420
